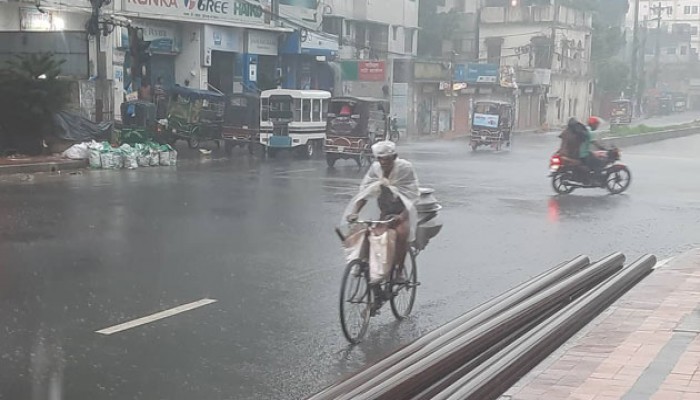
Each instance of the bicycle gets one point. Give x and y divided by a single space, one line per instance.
357 297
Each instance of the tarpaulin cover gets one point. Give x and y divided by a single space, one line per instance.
402 181
69 126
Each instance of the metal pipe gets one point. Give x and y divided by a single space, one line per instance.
444 334
491 379
417 372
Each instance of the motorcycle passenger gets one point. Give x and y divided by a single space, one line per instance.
586 155
393 181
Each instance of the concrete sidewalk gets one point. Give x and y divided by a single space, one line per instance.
646 346
29 165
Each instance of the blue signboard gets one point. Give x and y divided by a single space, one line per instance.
480 73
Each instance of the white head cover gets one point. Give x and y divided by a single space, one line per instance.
384 148
402 181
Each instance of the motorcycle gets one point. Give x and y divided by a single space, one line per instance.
568 174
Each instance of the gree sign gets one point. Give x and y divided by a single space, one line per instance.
223 10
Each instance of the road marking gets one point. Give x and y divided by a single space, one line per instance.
155 317
663 262
295 171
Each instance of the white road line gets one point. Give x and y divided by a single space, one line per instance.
663 262
155 317
295 171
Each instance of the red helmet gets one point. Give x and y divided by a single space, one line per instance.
593 122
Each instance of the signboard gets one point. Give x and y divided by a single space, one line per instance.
482 73
508 77
164 37
31 19
303 11
262 43
429 71
314 43
371 70
456 86
248 11
486 120
223 39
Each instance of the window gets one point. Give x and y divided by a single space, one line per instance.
671 50
408 40
265 109
297 110
332 25
394 32
316 110
695 9
306 110
684 50
686 10
669 10
324 109
693 30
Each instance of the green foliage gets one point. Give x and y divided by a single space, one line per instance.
613 75
32 93
435 27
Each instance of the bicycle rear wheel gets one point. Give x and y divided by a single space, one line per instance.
355 301
403 288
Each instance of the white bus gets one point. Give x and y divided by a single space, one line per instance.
293 119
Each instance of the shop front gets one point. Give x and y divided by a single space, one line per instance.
223 54
261 61
305 57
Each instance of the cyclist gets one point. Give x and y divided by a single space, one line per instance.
393 181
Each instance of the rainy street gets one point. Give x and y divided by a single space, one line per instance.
252 241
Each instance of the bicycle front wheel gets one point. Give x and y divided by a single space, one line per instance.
403 288
355 301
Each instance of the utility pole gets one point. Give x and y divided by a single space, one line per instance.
635 55
657 51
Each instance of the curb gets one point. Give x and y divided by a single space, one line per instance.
644 138
51 166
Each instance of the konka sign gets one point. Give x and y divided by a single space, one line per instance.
223 10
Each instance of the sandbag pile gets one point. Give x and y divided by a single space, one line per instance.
149 154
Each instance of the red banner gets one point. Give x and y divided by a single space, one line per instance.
371 70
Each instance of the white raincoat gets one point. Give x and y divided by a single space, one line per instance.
402 181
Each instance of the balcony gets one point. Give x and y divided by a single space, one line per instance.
536 15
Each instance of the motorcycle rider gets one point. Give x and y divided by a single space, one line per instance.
587 156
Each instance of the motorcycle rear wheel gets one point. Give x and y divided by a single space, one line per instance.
559 183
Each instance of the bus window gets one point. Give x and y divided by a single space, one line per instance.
316 110
297 110
265 109
324 112
306 110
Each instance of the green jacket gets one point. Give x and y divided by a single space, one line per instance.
586 145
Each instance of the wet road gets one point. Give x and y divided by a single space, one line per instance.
80 253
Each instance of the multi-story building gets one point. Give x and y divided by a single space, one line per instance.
543 53
670 12
377 38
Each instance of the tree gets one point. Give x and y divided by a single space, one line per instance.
435 27
32 93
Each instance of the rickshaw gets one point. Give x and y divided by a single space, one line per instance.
354 124
241 126
492 123
621 113
140 124
195 115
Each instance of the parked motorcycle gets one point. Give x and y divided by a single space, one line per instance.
568 174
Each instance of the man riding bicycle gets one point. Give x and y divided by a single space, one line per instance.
393 181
